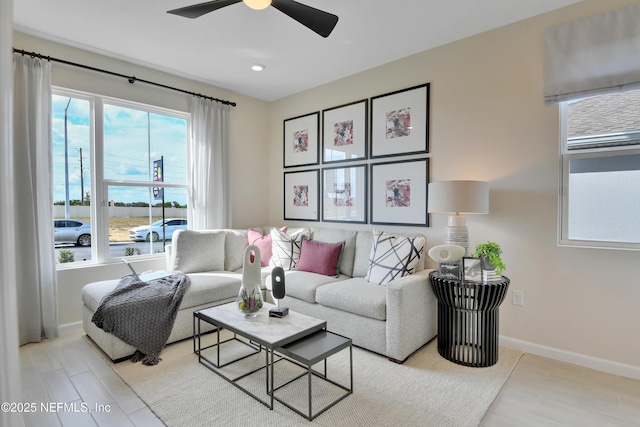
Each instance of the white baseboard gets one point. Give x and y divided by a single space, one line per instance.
70 327
604 365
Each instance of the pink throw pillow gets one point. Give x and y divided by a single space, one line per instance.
320 257
263 242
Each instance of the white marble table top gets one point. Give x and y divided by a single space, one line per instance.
269 331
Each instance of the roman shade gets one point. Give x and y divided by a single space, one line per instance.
591 56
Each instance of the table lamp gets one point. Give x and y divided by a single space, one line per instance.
458 198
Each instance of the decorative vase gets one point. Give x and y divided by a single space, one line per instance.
249 300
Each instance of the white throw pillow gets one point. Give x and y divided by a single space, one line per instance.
393 256
285 247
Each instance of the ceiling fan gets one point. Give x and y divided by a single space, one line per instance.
316 20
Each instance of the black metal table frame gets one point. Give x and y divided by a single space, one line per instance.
312 372
254 343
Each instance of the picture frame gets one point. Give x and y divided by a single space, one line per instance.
400 122
344 194
345 132
472 268
398 192
450 270
302 195
300 140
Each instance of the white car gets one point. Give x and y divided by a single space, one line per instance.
71 231
154 232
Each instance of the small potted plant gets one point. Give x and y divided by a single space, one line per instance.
490 254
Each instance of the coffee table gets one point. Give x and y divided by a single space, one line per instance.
274 335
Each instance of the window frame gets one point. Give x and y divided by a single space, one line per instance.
99 185
605 146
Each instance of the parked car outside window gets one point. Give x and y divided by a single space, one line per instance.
72 231
154 232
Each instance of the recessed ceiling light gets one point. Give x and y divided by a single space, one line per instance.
257 67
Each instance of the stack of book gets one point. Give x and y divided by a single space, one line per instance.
490 276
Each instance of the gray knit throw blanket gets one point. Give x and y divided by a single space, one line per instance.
142 313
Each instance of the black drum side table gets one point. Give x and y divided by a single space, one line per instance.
468 315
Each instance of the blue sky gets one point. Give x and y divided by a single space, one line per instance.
133 139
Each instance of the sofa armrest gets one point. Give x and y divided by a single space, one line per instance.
411 315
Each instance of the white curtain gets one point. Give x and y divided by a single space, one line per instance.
32 189
210 197
595 55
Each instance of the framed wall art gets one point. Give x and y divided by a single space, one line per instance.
398 192
400 122
302 195
450 270
344 194
472 268
344 132
300 140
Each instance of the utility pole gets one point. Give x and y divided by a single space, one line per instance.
81 180
66 165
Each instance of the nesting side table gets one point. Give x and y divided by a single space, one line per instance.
468 315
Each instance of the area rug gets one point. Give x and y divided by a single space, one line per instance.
426 390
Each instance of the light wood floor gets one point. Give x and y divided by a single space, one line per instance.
540 392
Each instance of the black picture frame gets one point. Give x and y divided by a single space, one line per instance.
300 140
302 195
450 270
400 122
398 192
472 269
344 200
345 131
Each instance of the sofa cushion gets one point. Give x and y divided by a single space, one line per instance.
320 257
211 287
286 247
201 250
364 240
393 256
92 293
302 284
234 244
355 296
263 242
205 288
334 235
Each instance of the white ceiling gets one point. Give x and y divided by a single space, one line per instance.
219 48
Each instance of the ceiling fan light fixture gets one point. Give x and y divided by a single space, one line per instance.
257 4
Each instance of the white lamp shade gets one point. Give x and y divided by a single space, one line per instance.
459 197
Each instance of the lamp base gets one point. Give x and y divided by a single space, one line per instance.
457 233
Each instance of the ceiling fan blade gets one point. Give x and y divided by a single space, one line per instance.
200 9
317 20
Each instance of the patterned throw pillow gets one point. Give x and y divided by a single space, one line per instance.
286 248
393 256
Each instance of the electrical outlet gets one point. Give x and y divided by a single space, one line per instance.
517 298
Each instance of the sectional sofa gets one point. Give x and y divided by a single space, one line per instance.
393 319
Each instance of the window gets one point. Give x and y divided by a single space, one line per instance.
136 197
600 193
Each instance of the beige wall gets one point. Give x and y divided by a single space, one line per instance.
249 144
489 122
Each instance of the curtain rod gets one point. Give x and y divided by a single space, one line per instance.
130 79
